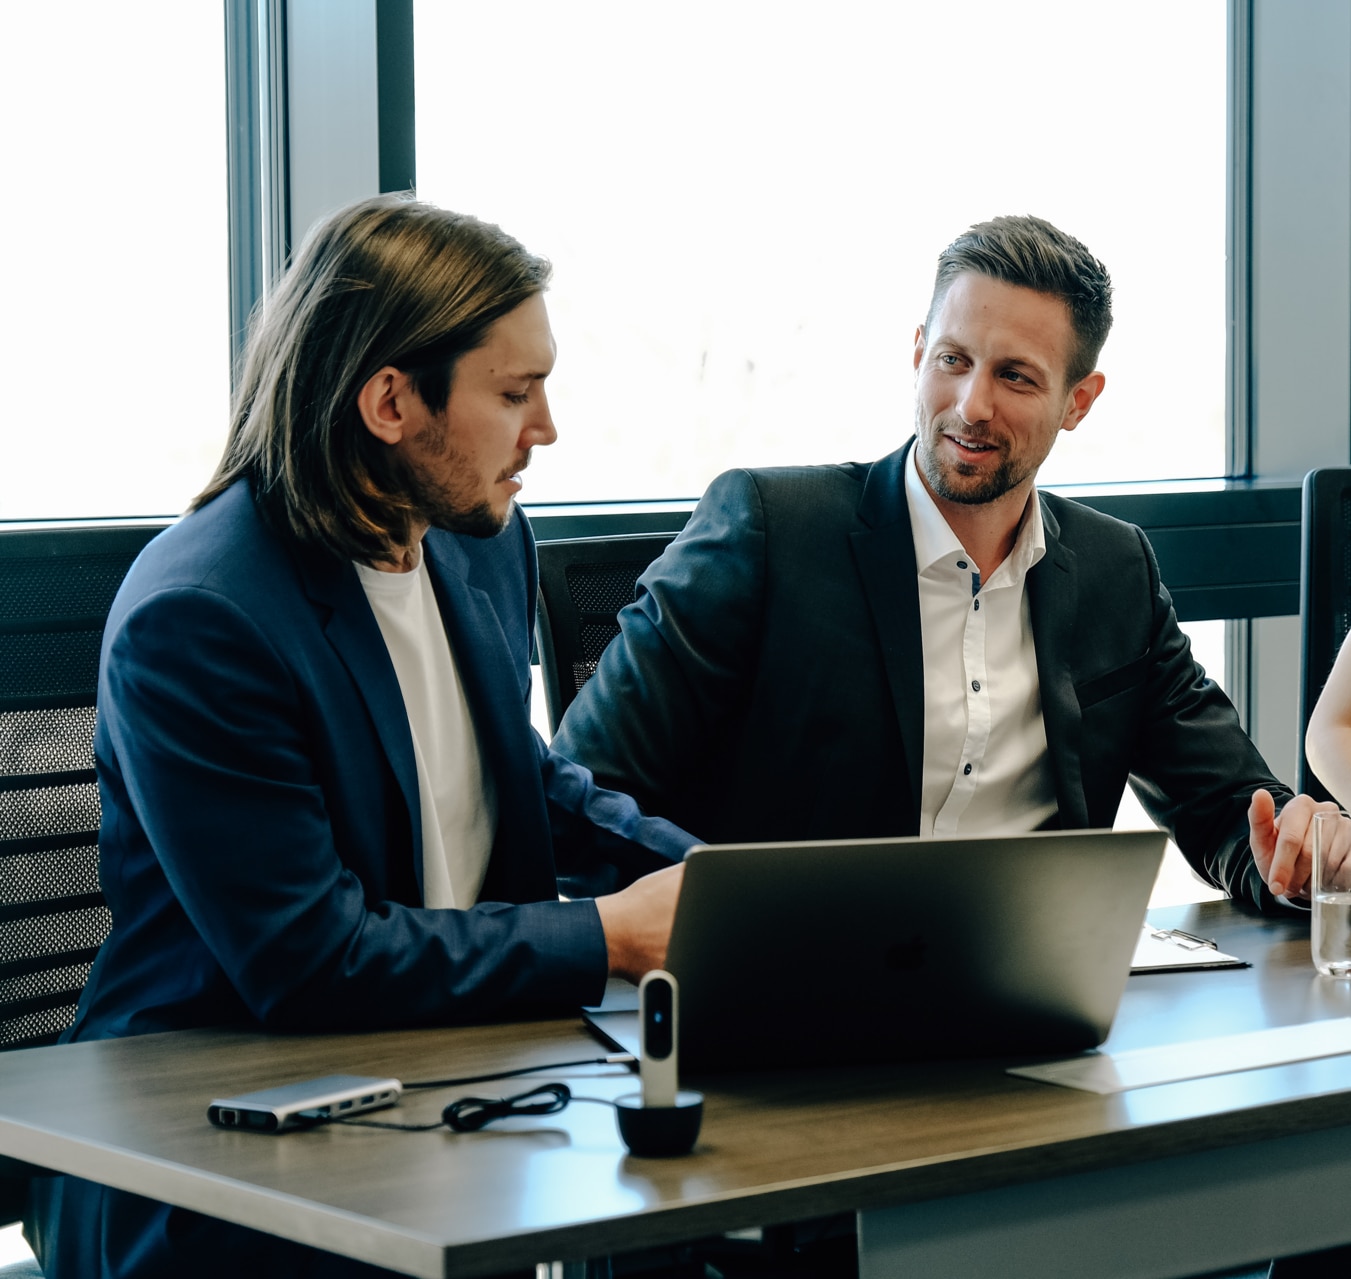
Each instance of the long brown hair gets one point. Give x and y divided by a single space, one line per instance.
389 281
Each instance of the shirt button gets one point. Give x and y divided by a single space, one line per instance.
961 563
966 772
975 686
976 605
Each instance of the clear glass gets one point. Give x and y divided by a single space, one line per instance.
744 202
1330 927
117 333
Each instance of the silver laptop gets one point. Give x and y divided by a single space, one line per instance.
894 949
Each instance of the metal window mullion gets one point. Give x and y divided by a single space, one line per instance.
256 150
1238 241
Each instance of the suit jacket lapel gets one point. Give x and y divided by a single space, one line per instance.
354 633
1053 599
884 551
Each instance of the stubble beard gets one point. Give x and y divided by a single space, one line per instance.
448 505
981 486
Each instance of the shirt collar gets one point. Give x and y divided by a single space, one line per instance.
938 549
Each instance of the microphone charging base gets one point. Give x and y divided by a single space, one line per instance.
659 1131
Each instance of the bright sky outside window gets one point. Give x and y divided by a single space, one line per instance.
115 283
744 200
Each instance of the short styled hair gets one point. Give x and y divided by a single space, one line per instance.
1030 252
389 281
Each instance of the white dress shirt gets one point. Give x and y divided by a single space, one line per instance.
458 801
986 771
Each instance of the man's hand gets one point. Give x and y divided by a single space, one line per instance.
1282 846
637 922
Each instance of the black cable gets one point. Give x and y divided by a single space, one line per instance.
493 1107
614 1059
469 1114
356 1122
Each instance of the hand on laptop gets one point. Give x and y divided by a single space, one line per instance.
637 922
1283 846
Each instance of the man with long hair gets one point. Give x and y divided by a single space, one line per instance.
324 807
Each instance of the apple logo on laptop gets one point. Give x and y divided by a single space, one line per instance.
906 956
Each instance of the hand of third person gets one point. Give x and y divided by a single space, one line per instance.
1282 845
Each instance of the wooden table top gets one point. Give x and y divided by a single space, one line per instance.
775 1147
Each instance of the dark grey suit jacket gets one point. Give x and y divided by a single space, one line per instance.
768 682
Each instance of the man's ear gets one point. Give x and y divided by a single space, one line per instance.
919 346
384 404
1081 400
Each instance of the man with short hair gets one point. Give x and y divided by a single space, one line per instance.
324 808
926 644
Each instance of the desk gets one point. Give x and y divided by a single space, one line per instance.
946 1161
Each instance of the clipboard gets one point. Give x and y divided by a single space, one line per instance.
1170 950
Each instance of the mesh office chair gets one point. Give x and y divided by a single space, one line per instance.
583 583
56 586
1324 593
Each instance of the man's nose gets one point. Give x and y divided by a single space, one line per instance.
540 429
975 402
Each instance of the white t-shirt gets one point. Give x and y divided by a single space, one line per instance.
459 803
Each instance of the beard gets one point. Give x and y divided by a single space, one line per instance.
442 508
963 482
452 504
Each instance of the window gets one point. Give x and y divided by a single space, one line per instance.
116 283
743 203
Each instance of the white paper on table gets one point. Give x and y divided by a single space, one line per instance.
1195 1059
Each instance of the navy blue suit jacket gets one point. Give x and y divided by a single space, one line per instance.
261 847
769 680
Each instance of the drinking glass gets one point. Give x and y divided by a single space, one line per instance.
1330 932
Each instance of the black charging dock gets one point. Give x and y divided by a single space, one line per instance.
657 1131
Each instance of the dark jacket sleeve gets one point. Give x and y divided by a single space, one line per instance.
1195 769
656 708
219 814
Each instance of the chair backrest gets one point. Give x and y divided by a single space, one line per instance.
56 586
583 583
1324 593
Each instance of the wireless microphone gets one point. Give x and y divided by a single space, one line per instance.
658 1030
660 1120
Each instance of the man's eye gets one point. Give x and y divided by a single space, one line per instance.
517 399
948 361
1012 375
